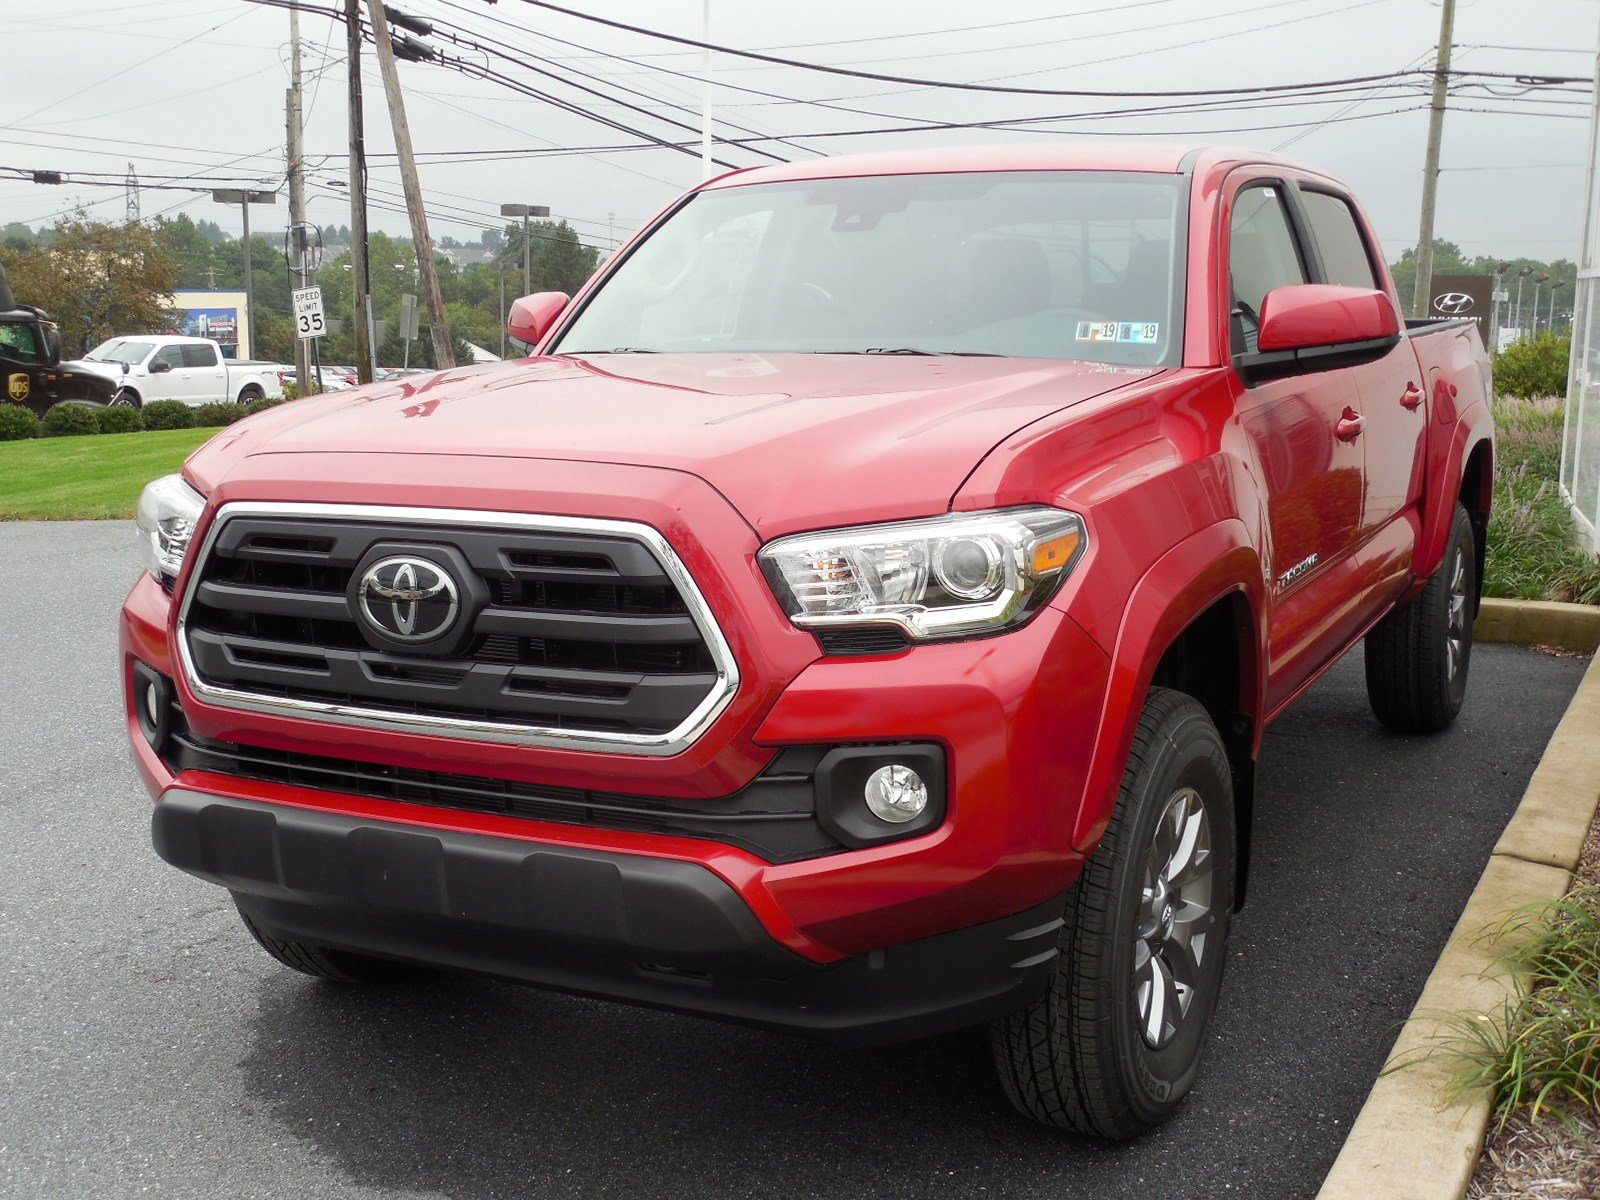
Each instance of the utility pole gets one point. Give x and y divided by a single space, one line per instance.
422 243
1430 167
705 103
297 189
358 197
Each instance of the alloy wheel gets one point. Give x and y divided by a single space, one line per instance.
1456 634
1176 918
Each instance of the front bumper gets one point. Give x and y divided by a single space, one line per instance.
648 930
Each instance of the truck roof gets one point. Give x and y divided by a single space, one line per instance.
159 339
1164 158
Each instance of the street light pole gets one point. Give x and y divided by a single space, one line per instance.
525 211
1522 274
1538 282
244 199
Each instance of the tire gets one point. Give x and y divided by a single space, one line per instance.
1418 656
250 393
1082 1058
126 398
320 962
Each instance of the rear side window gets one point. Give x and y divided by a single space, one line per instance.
1339 241
200 356
1262 255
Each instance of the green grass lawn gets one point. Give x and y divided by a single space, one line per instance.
87 478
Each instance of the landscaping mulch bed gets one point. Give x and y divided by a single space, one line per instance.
1556 1157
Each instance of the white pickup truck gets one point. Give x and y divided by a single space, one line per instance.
133 371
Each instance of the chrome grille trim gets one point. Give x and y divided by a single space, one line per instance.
674 741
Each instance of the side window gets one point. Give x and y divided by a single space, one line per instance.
1262 255
171 355
18 343
199 356
1339 240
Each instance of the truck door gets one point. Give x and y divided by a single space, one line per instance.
1308 473
1390 389
169 378
210 373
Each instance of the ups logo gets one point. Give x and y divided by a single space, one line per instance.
17 387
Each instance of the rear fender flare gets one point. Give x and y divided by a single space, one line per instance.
1468 432
1209 565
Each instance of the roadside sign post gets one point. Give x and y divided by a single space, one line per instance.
410 324
310 323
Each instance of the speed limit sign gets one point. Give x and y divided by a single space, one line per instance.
308 320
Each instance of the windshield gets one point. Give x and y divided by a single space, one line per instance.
1040 264
118 351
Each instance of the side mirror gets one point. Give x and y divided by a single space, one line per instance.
52 339
1310 327
533 316
158 366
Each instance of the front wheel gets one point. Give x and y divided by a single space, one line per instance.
1418 655
1115 1044
126 398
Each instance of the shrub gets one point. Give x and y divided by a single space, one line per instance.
18 424
218 412
116 419
69 420
168 414
1535 366
260 406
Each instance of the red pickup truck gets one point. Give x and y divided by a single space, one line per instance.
858 616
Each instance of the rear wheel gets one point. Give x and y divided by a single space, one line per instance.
250 393
1417 656
321 962
1115 1044
126 398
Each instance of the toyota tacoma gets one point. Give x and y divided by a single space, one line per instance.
858 615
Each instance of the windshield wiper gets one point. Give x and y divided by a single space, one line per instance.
919 352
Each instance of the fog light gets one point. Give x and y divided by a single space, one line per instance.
152 705
896 793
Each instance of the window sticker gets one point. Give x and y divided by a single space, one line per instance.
1140 333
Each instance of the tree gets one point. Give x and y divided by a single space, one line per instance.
190 248
560 262
97 280
17 235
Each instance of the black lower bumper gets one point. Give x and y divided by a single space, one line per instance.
644 930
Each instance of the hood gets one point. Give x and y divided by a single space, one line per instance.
793 441
100 370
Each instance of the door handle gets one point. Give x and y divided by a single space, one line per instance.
1412 397
1348 428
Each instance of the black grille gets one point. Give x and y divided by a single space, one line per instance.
774 816
571 632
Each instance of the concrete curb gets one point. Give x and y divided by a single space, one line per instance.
1539 623
1406 1143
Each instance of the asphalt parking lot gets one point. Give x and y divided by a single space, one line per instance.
148 1048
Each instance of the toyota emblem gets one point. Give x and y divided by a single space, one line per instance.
1454 303
408 598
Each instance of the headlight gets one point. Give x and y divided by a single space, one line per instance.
946 577
169 510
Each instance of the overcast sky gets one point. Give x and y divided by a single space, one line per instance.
183 87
